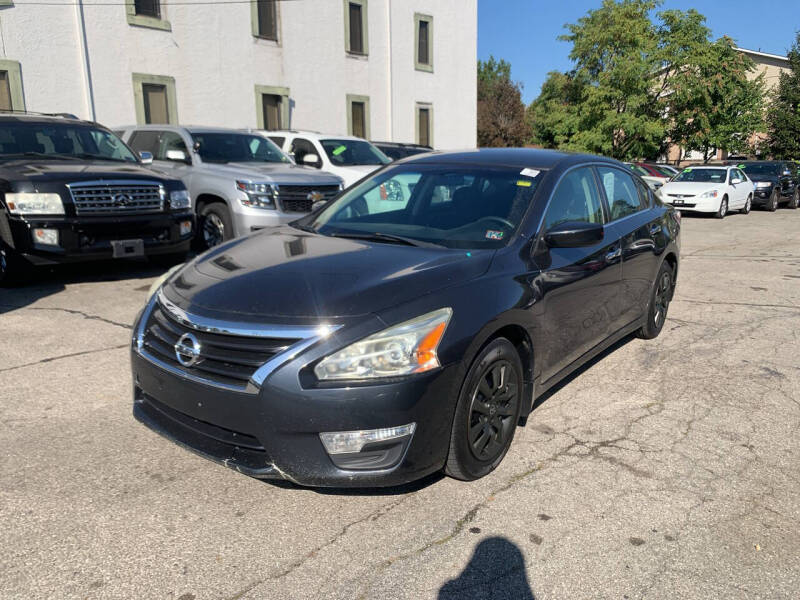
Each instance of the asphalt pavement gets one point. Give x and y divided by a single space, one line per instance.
666 469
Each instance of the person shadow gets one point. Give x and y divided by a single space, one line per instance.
496 570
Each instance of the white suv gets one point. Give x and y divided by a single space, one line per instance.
349 157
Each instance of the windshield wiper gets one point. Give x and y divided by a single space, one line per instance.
382 237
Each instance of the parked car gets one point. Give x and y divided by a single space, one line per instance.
360 346
707 189
239 182
653 181
658 169
351 158
71 191
777 182
397 150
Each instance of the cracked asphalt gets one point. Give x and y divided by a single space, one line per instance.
666 468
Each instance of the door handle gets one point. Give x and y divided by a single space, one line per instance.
614 254
655 229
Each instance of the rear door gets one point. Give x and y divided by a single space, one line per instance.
579 286
640 230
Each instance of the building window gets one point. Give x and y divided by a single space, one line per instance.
355 27
272 107
146 13
264 15
155 99
424 125
11 96
423 48
358 116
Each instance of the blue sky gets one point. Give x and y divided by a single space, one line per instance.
524 32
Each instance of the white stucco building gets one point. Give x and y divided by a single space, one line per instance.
397 70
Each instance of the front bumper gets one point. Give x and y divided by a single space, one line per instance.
247 220
761 196
90 238
273 432
694 204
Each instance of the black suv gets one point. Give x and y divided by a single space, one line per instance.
71 190
776 182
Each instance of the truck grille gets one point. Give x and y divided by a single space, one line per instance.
117 197
229 360
300 198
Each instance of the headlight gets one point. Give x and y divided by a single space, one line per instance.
710 194
259 195
26 203
403 349
179 199
763 184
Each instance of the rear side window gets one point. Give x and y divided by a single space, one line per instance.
621 193
169 140
145 141
644 193
576 199
301 147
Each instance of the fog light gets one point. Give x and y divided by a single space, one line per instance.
344 442
48 237
186 227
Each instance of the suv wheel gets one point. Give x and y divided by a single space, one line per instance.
487 413
216 224
772 205
12 266
795 201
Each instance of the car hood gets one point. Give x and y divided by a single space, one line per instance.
48 171
279 173
689 187
763 177
283 273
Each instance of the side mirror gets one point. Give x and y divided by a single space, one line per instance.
310 160
146 157
574 234
736 180
177 156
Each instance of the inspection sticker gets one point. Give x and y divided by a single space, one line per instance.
338 150
529 172
493 234
523 183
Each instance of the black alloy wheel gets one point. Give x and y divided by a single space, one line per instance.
661 296
487 412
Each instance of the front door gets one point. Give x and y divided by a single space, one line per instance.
578 286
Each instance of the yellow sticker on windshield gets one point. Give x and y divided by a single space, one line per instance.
338 150
523 183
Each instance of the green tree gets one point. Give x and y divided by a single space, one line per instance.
783 116
501 113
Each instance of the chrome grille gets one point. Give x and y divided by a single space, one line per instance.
300 198
117 197
229 360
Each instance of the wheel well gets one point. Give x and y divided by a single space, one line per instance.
522 342
204 199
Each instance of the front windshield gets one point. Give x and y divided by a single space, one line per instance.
696 175
346 153
60 141
455 207
219 147
664 171
761 169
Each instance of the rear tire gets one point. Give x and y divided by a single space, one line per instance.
795 201
747 205
487 412
660 297
723 208
215 224
772 205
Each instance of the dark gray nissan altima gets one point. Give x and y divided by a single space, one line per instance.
407 326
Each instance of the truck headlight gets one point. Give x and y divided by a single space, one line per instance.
763 184
179 199
710 194
28 203
259 195
409 347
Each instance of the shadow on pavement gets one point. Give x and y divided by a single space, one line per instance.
496 570
45 281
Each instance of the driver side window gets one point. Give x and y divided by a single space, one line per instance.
575 199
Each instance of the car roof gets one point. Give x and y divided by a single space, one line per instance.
43 118
509 157
310 134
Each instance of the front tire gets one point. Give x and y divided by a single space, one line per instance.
795 201
660 298
487 413
13 268
216 225
747 205
723 208
772 205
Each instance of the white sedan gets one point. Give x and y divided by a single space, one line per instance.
717 190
